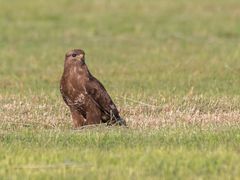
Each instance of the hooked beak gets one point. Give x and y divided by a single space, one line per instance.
79 57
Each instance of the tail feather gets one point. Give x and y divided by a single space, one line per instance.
117 121
120 121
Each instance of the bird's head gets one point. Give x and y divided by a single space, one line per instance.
75 56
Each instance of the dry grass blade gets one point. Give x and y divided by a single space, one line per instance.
38 112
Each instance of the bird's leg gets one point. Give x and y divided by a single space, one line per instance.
78 119
93 115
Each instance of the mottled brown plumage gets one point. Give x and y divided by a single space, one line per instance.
86 97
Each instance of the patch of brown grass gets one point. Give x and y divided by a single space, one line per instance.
45 112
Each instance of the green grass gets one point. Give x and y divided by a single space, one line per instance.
159 47
172 67
118 153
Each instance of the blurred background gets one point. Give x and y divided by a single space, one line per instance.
139 48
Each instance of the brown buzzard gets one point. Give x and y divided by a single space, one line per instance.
86 97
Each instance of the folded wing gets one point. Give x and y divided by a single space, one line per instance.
101 98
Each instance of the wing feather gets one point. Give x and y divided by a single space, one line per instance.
100 96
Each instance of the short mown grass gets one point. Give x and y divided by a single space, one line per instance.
172 68
119 153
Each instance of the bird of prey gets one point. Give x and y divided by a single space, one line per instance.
85 96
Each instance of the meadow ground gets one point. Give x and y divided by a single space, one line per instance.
172 67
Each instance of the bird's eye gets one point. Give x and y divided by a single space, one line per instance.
74 55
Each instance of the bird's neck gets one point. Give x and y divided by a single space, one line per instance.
77 68
84 70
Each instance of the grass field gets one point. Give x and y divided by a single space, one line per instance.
172 67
